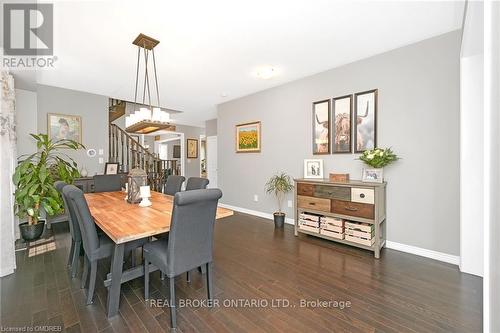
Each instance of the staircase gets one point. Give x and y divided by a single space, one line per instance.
130 154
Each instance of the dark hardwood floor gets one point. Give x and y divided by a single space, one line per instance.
255 266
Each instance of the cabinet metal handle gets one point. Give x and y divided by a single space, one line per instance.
352 209
312 203
362 195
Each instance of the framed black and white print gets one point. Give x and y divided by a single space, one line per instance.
365 120
342 120
321 127
111 168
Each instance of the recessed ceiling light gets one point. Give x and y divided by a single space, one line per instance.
223 94
266 72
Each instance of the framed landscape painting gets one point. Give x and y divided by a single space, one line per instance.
365 120
64 126
342 132
192 148
248 137
321 127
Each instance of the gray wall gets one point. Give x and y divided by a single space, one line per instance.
211 127
93 110
192 164
418 116
26 121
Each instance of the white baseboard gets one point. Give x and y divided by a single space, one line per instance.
6 271
255 213
448 258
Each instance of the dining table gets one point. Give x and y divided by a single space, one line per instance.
125 222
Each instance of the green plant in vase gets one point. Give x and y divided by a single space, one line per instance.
34 178
377 158
279 185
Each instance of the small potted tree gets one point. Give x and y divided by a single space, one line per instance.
34 178
279 185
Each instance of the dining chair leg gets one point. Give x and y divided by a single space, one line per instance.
146 280
202 269
93 277
132 258
76 256
209 281
171 284
188 276
71 250
85 271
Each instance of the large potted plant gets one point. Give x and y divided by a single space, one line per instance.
34 178
279 185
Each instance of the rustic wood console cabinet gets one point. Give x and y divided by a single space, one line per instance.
351 212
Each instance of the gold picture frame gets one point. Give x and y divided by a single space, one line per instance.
192 148
248 138
64 126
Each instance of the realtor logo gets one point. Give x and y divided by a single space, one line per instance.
28 29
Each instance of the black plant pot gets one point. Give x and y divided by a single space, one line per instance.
279 220
32 232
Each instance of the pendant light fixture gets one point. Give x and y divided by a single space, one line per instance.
147 118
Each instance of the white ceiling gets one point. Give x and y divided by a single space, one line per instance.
212 47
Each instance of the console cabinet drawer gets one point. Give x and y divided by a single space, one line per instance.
305 189
332 192
320 204
363 195
357 209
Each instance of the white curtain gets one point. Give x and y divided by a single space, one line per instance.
7 165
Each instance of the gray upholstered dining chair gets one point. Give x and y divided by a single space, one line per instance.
96 246
74 230
196 183
173 184
107 183
189 244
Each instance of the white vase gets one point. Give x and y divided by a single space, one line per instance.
84 172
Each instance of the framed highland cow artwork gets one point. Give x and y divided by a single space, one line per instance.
321 127
365 120
342 120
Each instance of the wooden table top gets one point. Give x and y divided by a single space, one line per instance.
124 222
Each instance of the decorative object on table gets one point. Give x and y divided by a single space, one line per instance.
192 148
91 152
177 151
64 127
321 127
248 137
279 185
313 168
377 159
342 131
373 175
145 195
136 178
111 168
339 177
365 120
34 179
84 172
